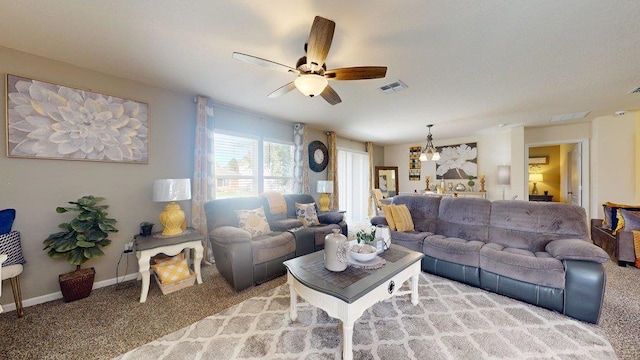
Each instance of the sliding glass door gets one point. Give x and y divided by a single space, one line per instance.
353 182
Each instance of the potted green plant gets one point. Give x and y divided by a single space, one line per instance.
79 241
471 183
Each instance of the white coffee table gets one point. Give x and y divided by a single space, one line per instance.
347 295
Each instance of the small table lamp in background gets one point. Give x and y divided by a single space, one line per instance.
172 190
535 178
324 189
504 177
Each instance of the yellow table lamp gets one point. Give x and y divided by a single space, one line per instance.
172 190
324 189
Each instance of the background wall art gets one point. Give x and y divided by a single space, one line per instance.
457 161
46 120
414 163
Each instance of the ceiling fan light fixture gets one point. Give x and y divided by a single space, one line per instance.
311 84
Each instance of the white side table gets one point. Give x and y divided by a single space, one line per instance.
149 246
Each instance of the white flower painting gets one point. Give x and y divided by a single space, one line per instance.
457 162
58 122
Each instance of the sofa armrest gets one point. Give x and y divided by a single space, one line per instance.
379 220
576 249
330 217
229 235
285 224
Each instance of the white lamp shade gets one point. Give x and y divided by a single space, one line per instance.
504 174
311 85
325 187
535 177
171 190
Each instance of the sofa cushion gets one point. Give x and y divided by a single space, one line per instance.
423 209
402 218
277 204
576 249
464 218
538 268
307 214
455 250
410 239
268 247
531 225
254 221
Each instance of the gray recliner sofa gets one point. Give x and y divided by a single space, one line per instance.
244 261
536 252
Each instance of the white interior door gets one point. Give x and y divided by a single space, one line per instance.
574 175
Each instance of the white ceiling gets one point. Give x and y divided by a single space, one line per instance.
469 65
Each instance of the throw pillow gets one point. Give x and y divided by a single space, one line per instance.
307 214
402 218
611 215
6 220
254 221
630 220
386 209
172 272
10 245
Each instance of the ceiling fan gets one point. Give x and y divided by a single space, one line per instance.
311 69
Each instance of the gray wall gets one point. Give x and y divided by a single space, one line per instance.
36 187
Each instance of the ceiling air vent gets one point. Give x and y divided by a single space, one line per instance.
393 87
567 117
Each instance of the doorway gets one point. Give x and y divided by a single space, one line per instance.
565 175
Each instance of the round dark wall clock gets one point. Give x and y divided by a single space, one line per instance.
318 156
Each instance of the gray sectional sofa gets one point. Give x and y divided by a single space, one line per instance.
537 252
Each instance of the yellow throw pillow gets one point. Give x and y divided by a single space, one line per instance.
307 214
172 272
254 221
402 217
386 209
169 260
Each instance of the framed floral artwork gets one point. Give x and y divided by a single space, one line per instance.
457 161
45 120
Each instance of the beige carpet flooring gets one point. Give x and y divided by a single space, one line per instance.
112 322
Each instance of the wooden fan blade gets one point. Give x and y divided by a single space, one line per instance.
330 95
282 90
356 73
262 62
319 42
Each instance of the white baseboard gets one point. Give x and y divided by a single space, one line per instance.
58 295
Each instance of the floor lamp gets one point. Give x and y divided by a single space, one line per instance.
504 177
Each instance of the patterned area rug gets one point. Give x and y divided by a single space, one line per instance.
452 321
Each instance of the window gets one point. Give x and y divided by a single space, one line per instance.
353 180
238 171
277 167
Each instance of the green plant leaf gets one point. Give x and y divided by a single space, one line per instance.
104 242
80 226
85 244
64 246
76 257
93 252
61 210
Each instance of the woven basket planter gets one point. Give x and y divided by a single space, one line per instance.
77 284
